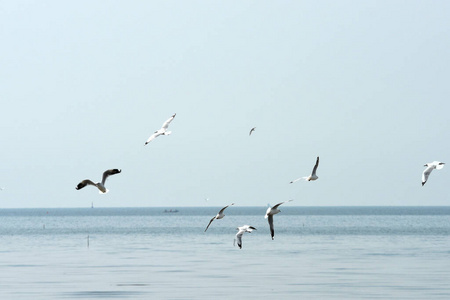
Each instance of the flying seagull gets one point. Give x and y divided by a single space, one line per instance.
220 215
269 215
430 167
100 185
251 131
241 231
162 130
313 175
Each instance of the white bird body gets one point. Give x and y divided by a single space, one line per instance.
246 228
271 211
100 185
269 215
313 175
430 167
162 131
219 215
241 231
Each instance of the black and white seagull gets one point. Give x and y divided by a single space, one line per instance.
269 215
162 130
220 215
430 167
241 231
313 175
100 185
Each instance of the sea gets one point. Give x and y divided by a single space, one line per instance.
165 253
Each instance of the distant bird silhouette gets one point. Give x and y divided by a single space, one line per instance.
162 130
100 185
269 215
313 175
241 231
430 167
220 215
251 130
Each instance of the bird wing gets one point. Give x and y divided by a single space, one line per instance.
315 167
166 123
84 183
276 206
109 172
221 211
251 130
239 237
210 223
297 179
250 228
272 231
152 137
427 173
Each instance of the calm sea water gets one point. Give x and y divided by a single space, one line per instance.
145 253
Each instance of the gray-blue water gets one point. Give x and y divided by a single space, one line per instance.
145 253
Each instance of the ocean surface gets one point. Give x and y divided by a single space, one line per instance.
147 253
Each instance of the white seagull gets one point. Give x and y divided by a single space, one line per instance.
220 215
251 130
430 167
269 215
100 185
241 231
313 175
162 130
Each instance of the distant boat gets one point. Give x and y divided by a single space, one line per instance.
171 211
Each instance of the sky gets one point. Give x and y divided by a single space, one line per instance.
362 84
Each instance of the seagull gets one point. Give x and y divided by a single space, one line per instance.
251 131
269 214
162 130
100 185
220 215
430 167
311 177
241 231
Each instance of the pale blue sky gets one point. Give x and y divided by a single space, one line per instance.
362 84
